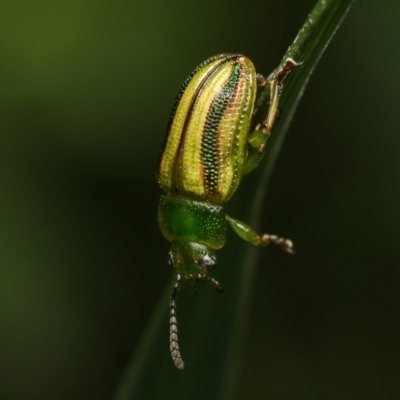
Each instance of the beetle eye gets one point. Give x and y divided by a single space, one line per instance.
170 260
207 262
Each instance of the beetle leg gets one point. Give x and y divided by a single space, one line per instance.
288 67
252 162
258 138
249 235
261 80
284 244
216 284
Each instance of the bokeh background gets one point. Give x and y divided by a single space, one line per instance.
85 91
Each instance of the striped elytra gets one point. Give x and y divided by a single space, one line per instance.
205 147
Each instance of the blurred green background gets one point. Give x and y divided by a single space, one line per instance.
85 91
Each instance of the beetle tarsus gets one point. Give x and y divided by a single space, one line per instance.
289 66
285 244
216 284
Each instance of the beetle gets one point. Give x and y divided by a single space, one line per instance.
207 150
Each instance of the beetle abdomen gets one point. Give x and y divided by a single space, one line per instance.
205 145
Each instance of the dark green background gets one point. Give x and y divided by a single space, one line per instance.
85 91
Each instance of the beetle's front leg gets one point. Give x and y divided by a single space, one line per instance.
258 138
247 233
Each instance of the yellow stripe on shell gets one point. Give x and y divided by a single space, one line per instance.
166 172
190 167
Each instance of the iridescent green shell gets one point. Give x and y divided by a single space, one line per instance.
205 148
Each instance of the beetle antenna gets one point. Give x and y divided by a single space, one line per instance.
216 284
173 327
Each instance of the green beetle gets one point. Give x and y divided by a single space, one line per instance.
206 153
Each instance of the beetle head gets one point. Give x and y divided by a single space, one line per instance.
191 260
